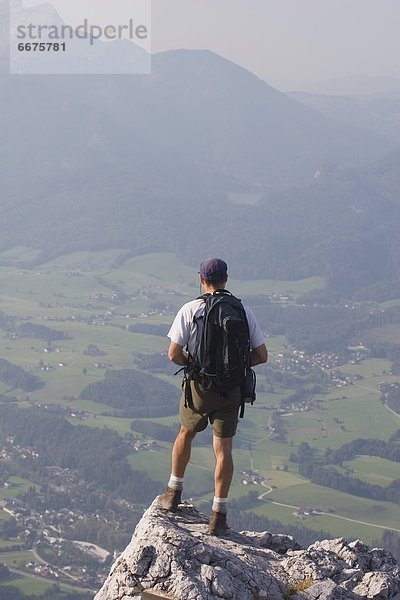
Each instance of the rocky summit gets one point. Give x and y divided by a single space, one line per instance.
172 556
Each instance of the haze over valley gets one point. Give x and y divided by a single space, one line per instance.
113 189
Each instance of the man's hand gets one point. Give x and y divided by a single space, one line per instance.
259 355
177 355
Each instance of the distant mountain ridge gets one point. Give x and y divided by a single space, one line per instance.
196 109
197 112
354 85
379 113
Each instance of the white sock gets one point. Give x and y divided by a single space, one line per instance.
220 505
175 483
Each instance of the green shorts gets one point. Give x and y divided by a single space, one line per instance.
220 410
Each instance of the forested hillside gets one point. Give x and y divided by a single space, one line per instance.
342 227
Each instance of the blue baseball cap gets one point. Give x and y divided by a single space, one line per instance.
213 269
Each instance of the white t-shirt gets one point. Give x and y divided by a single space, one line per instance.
183 329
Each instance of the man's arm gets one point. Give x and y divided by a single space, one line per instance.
259 352
259 355
177 355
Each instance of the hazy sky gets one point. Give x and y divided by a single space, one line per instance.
289 43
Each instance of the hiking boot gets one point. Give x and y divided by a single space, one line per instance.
170 499
217 523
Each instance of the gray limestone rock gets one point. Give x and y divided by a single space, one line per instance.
278 542
173 556
378 585
326 590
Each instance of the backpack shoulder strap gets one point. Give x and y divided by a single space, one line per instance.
204 298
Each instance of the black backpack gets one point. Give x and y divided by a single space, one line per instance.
222 355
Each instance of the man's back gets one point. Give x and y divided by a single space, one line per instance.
184 328
200 407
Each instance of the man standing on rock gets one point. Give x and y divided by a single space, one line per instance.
200 406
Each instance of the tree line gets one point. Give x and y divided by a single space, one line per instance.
17 377
42 332
370 447
165 433
134 393
328 328
323 470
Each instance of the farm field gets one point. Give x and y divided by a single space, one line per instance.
373 469
4 516
360 414
338 526
17 486
9 543
28 585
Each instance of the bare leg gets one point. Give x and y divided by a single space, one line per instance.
181 452
223 466
181 449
